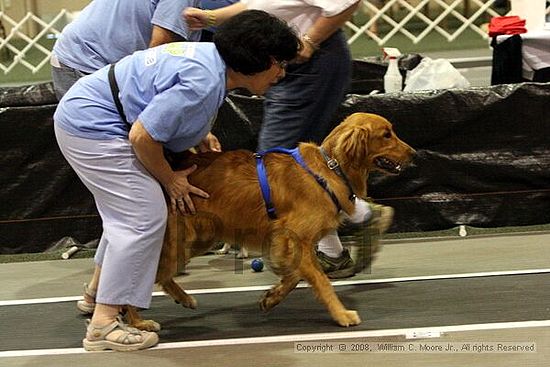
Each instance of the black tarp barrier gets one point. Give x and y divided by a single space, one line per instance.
42 200
483 160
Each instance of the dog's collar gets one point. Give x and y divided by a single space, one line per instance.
333 165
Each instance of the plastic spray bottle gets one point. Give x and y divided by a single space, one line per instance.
393 80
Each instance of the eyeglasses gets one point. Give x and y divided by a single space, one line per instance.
282 64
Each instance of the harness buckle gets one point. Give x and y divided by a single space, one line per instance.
258 155
332 164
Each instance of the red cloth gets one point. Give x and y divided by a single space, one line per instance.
506 25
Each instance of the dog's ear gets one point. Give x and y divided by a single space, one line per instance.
352 145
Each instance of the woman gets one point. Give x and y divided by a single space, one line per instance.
112 127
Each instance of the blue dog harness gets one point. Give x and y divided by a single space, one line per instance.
295 153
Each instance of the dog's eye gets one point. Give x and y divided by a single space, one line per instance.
387 135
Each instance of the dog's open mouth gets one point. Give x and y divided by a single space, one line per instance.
388 165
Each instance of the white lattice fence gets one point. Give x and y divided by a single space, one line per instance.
23 44
428 15
18 42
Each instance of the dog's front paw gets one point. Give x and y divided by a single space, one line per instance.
268 301
348 318
188 302
147 325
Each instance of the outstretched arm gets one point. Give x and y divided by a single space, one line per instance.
198 18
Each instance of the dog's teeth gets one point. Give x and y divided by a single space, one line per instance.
389 165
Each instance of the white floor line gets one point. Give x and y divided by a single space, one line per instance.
323 337
301 285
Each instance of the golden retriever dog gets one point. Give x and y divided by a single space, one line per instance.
236 211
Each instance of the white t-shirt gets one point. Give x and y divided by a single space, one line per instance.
300 14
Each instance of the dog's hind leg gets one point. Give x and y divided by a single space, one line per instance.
166 270
310 271
173 251
177 293
278 292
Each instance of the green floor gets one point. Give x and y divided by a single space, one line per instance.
399 305
420 285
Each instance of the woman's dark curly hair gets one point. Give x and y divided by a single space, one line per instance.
249 41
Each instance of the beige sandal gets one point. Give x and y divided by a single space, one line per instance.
130 338
87 308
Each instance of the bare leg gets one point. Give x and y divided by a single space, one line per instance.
92 286
105 314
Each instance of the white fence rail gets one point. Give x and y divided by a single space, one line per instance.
25 42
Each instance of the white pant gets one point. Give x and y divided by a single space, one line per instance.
133 210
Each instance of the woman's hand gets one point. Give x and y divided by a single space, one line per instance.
196 19
177 186
210 143
180 190
306 52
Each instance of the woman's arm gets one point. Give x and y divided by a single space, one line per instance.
160 36
322 29
150 154
198 18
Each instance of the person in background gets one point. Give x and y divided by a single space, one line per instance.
107 30
302 106
112 127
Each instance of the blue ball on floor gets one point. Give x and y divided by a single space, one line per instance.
257 265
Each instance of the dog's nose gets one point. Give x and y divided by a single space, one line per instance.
410 150
412 154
